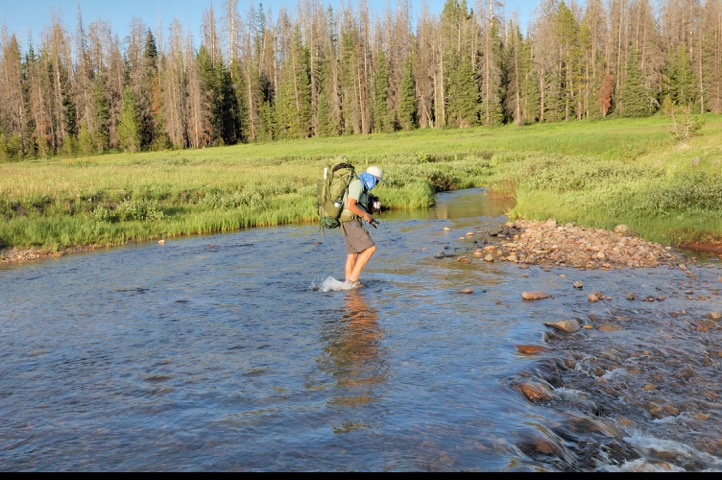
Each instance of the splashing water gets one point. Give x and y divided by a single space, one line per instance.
330 284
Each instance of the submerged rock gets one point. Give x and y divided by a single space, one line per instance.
535 295
536 392
530 349
566 326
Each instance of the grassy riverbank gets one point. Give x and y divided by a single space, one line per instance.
598 173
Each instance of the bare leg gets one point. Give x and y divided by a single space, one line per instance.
350 262
357 263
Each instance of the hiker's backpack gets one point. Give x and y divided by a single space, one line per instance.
331 190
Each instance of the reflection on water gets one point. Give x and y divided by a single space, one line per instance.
455 207
354 356
223 354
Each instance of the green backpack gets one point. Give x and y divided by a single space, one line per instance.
331 190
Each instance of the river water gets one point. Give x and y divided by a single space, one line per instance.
238 352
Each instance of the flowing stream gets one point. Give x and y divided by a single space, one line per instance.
239 352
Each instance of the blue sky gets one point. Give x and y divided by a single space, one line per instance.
22 17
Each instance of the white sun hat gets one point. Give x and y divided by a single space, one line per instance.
376 172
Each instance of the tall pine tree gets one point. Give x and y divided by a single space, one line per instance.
633 99
681 84
382 116
461 90
293 101
407 105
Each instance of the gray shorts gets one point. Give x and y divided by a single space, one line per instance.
356 237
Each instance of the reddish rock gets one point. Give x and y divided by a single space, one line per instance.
609 328
535 295
536 392
531 349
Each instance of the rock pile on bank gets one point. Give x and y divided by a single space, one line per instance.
547 243
17 255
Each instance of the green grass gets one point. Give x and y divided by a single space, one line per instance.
596 173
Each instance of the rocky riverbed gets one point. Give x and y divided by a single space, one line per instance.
637 373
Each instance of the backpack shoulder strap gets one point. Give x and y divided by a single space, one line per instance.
341 165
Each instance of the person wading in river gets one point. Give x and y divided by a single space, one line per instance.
359 245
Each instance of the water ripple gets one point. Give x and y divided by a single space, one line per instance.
243 352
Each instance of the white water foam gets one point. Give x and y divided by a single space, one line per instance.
570 394
655 444
641 465
330 284
616 374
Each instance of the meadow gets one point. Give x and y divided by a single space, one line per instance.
595 173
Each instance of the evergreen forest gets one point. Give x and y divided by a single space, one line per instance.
251 77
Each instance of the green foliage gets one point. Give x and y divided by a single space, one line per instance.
128 128
85 144
231 200
150 52
681 84
461 89
292 105
212 86
423 157
530 89
463 97
264 93
634 100
567 35
601 172
490 110
685 124
130 210
555 174
669 205
329 119
326 126
383 121
43 148
407 106
11 149
267 127
689 193
100 130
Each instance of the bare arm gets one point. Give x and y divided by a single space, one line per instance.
353 207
